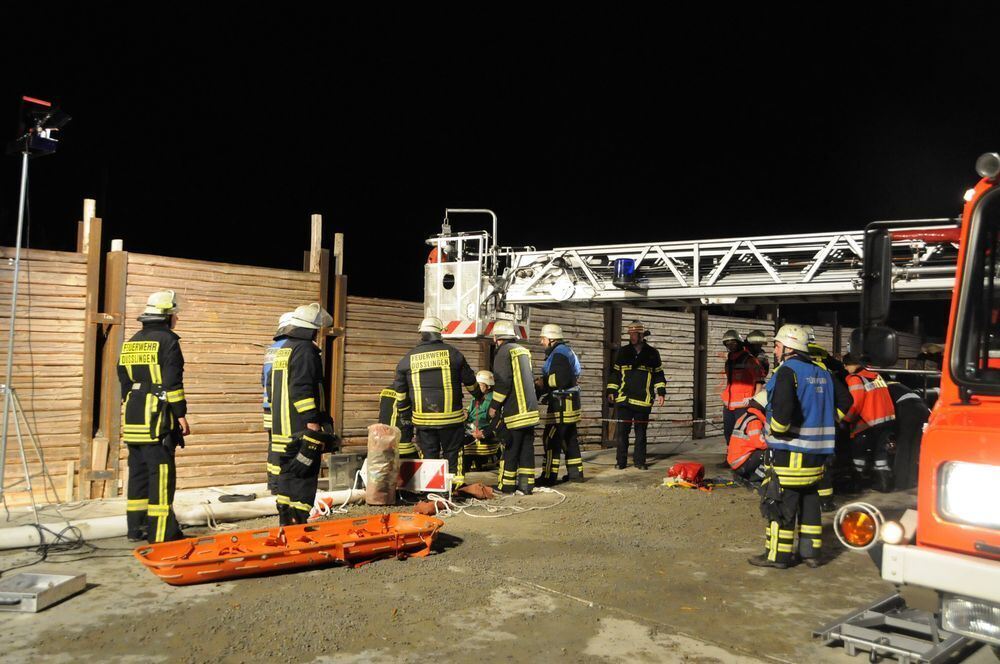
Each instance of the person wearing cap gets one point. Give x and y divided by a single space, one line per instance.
747 445
481 445
516 406
559 387
154 419
744 378
432 375
394 410
273 455
299 413
872 419
804 404
636 376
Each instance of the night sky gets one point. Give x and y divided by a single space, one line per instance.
215 135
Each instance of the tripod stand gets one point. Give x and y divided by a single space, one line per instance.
10 396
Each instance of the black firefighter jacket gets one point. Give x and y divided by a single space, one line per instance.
433 374
151 374
514 392
295 388
636 376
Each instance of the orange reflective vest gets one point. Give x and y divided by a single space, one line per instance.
743 374
748 436
872 401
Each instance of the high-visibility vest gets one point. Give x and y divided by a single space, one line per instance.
813 429
743 374
748 436
872 401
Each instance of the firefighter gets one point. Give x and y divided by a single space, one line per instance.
804 404
746 448
394 409
636 376
744 378
871 419
823 358
911 415
516 406
301 428
154 419
432 376
273 456
755 346
482 448
559 387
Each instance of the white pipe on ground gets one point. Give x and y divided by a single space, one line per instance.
188 513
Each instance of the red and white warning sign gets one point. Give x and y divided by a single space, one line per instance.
424 475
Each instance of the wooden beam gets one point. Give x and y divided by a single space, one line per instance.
339 314
315 243
338 253
612 340
70 476
92 244
109 418
699 401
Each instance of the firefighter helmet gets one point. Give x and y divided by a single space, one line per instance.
311 317
551 331
792 336
486 378
285 320
431 324
731 335
810 333
636 326
161 303
756 338
504 329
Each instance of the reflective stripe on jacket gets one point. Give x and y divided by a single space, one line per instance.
432 375
514 391
743 373
812 421
747 437
151 375
873 403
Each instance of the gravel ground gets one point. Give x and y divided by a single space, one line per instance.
624 570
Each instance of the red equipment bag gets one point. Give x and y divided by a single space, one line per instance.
689 471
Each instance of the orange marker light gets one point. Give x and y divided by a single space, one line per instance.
858 528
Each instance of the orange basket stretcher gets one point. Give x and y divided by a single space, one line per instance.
351 542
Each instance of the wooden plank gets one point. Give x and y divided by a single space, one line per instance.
315 242
337 353
109 421
92 247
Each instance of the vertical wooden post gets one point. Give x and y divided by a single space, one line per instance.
699 409
92 245
612 340
316 243
338 253
339 314
109 421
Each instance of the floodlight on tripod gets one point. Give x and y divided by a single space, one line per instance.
39 122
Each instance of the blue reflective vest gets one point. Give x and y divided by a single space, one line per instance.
816 430
566 351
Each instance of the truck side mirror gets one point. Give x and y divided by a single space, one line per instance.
876 276
878 343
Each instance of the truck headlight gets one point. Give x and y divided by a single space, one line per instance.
970 493
971 617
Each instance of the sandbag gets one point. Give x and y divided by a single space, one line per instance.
383 464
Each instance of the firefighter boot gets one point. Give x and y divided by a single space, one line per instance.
882 482
827 505
574 473
762 561
524 485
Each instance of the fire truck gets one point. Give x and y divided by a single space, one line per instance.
949 545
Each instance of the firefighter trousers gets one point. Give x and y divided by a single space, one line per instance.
874 441
296 495
729 420
273 465
630 417
152 480
800 516
517 470
561 439
445 443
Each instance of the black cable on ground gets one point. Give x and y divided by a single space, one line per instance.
66 541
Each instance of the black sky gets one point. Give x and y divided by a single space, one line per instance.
214 133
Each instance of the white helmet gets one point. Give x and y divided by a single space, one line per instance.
310 316
636 326
504 329
286 319
794 337
810 333
486 378
161 303
431 324
552 331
